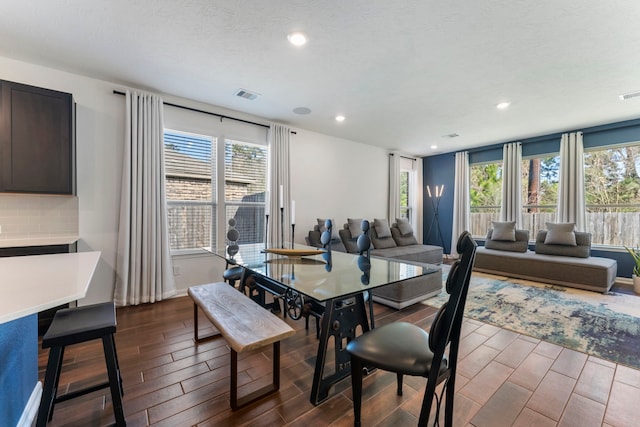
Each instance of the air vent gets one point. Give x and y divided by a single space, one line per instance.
243 93
630 95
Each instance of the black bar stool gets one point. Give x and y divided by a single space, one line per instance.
73 326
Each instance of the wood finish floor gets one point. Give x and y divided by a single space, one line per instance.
504 379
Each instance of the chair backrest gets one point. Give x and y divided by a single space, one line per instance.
364 241
445 329
325 237
232 238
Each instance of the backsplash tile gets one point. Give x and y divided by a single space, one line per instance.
31 217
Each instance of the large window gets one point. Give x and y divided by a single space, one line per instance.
245 175
539 192
612 193
486 196
190 172
192 190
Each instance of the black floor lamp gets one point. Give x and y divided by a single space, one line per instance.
435 203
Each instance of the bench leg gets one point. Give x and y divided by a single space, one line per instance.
258 394
196 338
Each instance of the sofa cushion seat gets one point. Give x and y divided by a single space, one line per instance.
592 273
417 253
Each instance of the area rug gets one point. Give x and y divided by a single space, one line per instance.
605 326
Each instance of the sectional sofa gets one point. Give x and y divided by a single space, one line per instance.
559 262
393 242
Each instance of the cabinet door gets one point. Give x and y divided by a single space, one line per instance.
36 139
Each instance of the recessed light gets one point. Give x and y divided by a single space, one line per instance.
340 118
629 95
503 105
297 39
302 110
434 147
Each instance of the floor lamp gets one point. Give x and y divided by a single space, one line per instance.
435 203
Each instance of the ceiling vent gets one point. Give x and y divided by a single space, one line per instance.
451 135
630 95
243 93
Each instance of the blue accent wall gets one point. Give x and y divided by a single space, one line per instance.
18 366
440 169
437 171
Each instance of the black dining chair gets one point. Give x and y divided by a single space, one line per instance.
233 273
407 349
364 248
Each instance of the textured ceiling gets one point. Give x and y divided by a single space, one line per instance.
404 73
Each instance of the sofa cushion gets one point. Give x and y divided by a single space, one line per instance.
581 250
404 226
402 240
334 228
355 227
505 230
521 243
382 228
560 233
381 243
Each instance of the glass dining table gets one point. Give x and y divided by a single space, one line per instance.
335 284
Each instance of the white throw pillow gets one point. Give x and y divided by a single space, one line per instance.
561 233
355 227
404 226
382 228
503 231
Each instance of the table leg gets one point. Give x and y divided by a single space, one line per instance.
341 318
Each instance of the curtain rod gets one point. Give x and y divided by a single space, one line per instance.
404 157
222 116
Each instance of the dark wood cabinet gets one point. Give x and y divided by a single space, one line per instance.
37 129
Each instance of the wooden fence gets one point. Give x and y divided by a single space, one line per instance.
606 228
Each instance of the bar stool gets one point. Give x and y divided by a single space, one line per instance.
72 326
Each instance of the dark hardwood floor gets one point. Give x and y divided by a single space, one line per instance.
504 379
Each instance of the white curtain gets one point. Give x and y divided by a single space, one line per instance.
279 178
571 200
461 200
394 187
143 267
511 208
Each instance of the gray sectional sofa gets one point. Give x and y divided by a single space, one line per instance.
397 242
556 263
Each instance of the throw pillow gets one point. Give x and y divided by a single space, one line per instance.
503 230
404 226
355 227
561 233
382 228
334 228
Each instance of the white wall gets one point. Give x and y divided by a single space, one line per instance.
330 176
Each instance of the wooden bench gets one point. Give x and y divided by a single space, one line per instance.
245 325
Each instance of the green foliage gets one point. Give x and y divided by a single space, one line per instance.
486 185
635 254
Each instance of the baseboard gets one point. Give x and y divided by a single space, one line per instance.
28 417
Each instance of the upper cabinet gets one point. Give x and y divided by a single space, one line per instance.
37 134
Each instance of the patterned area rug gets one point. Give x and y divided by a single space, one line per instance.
606 326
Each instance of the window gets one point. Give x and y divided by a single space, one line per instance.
245 175
539 192
486 196
408 183
190 171
612 193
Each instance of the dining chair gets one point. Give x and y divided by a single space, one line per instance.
364 248
407 349
233 273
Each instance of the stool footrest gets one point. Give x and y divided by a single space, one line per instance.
77 393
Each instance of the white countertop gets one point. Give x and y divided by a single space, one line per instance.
34 283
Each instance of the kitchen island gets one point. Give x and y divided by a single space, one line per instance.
31 284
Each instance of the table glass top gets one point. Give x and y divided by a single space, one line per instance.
326 275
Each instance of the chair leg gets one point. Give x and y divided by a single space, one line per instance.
425 411
114 379
356 388
50 386
448 406
399 384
